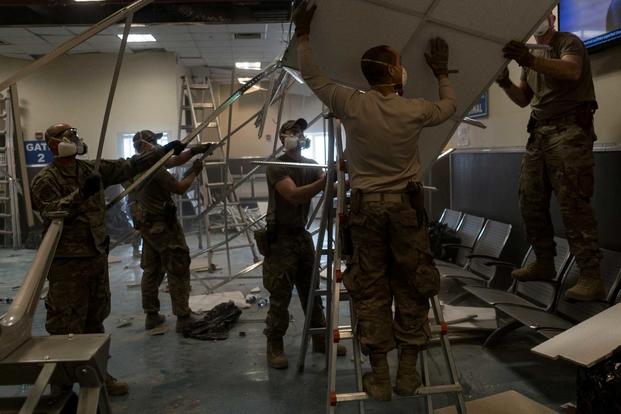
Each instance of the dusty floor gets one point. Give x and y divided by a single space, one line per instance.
172 374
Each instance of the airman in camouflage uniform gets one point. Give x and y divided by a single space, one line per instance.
391 258
78 300
290 253
558 84
164 250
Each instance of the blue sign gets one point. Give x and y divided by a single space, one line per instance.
37 153
480 109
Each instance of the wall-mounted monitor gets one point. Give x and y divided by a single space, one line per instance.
596 22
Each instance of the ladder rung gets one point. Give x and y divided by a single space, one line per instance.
5 232
199 86
218 184
213 163
237 246
351 396
345 333
203 105
5 215
424 390
230 226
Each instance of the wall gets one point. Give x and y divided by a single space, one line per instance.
74 89
506 124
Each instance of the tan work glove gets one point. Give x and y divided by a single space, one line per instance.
302 18
438 55
518 52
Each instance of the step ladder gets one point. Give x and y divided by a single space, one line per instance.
335 294
214 187
10 231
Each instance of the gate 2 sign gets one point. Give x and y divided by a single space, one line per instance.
37 153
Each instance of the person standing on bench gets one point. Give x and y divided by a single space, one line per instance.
558 84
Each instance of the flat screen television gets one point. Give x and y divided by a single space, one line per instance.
596 22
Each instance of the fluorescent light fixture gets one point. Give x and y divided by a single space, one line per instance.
248 65
135 38
243 81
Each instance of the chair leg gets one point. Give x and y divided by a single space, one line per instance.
493 338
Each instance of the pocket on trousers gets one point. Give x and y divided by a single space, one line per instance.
349 275
426 278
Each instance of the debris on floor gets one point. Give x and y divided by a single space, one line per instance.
255 290
215 324
202 303
250 298
122 323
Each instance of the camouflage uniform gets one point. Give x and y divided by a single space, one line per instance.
164 250
291 251
559 157
78 299
391 259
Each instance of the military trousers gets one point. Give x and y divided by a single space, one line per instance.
164 251
391 262
559 159
78 299
288 264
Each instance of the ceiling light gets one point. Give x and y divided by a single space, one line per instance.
134 38
243 81
248 65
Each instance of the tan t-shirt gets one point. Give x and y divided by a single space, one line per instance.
556 97
382 131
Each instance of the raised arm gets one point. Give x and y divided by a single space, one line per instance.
299 195
520 94
437 59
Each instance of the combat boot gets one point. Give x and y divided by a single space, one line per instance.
186 321
377 382
115 387
153 319
319 345
408 380
589 286
276 357
540 269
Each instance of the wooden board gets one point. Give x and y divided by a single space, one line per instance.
476 31
587 343
509 402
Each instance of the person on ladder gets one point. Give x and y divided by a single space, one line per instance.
391 259
164 248
288 247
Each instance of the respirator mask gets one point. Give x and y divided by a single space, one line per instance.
543 28
298 141
68 148
404 75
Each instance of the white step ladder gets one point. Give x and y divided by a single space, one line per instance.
336 293
10 231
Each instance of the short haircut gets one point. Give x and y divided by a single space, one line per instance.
376 72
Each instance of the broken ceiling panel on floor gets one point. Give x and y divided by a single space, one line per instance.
476 31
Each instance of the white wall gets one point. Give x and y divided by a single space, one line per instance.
74 89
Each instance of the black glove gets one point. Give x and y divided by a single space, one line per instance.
202 149
92 185
302 18
503 80
437 59
177 146
196 168
518 52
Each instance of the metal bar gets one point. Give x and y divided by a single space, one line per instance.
215 246
227 172
115 79
71 43
88 400
16 323
357 352
38 388
21 153
238 274
233 98
289 164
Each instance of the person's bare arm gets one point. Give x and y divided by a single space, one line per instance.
177 160
520 94
299 195
568 67
174 186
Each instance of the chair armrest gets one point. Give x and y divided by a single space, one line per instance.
457 246
501 263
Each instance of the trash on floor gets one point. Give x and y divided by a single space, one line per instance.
202 303
255 290
250 298
214 324
122 323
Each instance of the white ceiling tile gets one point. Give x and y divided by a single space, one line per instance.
105 40
174 37
13 32
179 29
10 49
247 28
248 43
37 50
17 56
208 37
213 43
57 40
192 61
216 28
143 45
79 29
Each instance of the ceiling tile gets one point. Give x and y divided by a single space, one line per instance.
247 28
17 55
49 30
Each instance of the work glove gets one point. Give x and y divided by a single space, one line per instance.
92 185
438 55
202 149
302 18
518 52
503 80
196 168
177 146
